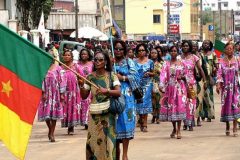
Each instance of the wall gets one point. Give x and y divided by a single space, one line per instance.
139 17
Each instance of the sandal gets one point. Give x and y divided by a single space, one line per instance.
172 135
179 135
235 134
227 133
144 129
185 127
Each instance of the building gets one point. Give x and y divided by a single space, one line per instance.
149 17
225 17
63 6
118 12
8 14
61 21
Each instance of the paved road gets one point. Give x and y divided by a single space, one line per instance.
204 143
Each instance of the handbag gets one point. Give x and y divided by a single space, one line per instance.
197 76
155 87
137 92
99 108
117 104
191 93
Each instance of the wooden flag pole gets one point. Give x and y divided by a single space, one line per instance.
93 84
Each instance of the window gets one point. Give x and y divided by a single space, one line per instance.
118 2
156 18
118 13
225 4
238 4
213 4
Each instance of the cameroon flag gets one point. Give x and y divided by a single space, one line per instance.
22 69
219 48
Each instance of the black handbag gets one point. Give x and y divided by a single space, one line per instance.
197 76
117 104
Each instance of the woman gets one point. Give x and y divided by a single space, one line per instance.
127 74
210 59
173 82
145 68
130 53
155 56
191 61
85 68
101 139
200 89
228 83
72 102
50 108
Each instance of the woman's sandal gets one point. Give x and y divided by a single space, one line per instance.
172 135
227 133
235 134
144 129
179 135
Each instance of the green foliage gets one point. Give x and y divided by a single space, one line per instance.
207 17
31 11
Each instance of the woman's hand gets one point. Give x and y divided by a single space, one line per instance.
62 97
44 97
81 81
103 91
218 88
148 74
205 85
120 77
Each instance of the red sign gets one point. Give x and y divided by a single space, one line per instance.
174 28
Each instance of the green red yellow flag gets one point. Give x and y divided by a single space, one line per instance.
219 48
23 66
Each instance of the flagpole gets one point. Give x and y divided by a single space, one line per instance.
93 84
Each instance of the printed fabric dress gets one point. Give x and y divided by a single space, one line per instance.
190 64
72 98
126 121
101 138
230 97
208 99
156 95
52 86
85 70
173 103
147 85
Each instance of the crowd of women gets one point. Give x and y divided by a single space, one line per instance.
176 84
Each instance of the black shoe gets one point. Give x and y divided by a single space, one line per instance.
86 127
185 127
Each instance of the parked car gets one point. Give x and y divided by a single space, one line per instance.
69 45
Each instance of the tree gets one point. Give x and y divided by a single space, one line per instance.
30 11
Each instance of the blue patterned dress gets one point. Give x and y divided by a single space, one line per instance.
126 121
147 84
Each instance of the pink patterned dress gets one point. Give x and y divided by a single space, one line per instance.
72 100
85 69
52 86
230 98
190 64
173 103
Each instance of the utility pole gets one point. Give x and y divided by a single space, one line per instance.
168 18
220 18
76 20
233 20
201 21
214 27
